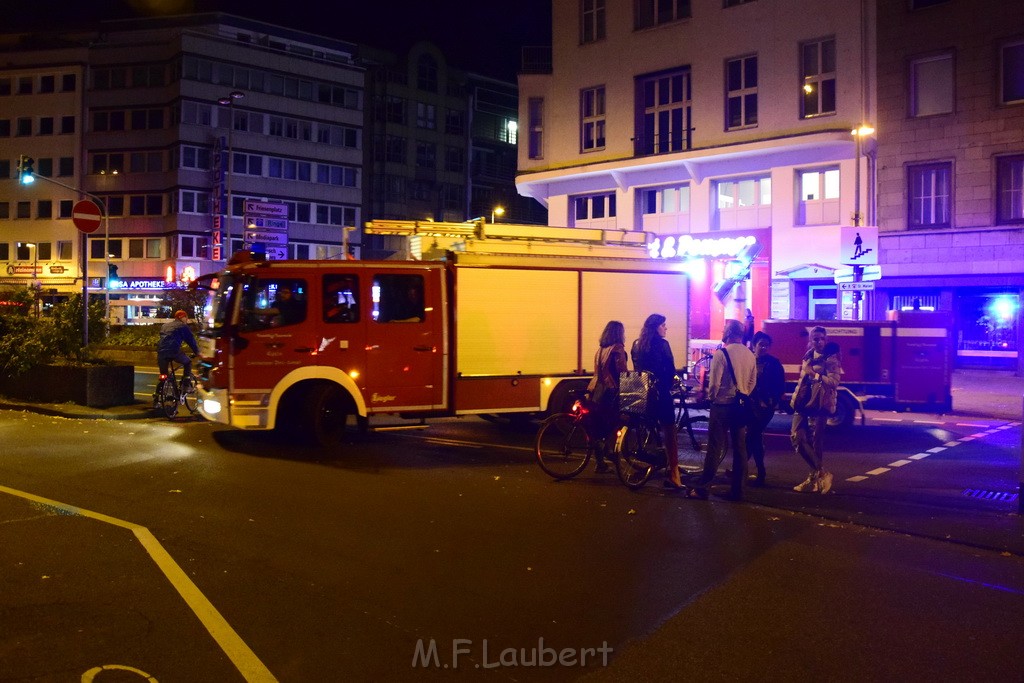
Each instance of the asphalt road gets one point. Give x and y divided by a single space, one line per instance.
182 551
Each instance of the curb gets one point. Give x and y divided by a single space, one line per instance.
140 412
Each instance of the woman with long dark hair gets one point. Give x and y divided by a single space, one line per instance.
609 361
652 353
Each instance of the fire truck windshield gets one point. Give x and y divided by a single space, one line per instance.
218 304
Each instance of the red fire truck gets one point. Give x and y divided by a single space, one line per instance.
505 321
901 364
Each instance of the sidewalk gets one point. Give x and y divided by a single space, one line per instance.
976 393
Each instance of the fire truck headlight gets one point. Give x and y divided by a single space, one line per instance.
211 407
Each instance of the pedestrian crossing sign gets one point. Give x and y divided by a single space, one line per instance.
858 245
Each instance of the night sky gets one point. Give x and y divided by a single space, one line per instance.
484 36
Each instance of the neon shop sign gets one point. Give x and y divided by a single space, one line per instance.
686 246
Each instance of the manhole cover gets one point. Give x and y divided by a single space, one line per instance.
997 496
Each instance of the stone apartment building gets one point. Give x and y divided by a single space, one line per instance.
951 169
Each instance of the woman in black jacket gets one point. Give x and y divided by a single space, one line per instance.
652 353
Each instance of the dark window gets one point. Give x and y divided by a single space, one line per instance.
341 298
399 298
592 25
1010 189
929 195
663 112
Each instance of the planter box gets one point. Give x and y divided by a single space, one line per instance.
96 386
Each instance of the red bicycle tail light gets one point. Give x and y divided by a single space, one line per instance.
163 377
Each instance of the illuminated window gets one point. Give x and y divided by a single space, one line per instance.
665 209
818 73
819 197
743 203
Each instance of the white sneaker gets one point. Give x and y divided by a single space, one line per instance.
808 484
824 482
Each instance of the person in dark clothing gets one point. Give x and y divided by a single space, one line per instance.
172 335
652 353
287 310
609 361
770 384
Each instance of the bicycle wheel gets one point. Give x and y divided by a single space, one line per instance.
169 397
190 394
696 428
562 446
632 447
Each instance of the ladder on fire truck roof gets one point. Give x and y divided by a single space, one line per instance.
432 239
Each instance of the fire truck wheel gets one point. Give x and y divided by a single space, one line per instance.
846 408
324 415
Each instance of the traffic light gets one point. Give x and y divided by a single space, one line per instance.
26 172
112 277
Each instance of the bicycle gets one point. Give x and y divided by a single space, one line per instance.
639 450
173 394
564 445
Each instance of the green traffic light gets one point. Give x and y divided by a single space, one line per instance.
26 172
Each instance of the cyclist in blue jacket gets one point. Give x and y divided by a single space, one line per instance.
172 335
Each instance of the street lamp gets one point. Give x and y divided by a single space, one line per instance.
230 102
497 211
35 269
858 134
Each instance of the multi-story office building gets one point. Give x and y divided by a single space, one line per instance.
441 143
786 122
951 169
142 117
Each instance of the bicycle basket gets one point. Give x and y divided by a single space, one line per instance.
637 393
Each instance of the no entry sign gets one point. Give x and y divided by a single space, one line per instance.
86 216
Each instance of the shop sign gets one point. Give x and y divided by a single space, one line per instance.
57 270
686 246
142 284
22 270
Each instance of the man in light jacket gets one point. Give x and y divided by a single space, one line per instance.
728 420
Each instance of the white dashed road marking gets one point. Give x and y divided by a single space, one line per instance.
931 451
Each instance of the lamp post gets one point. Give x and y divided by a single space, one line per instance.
498 212
858 134
230 102
35 268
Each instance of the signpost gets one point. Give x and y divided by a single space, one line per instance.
856 286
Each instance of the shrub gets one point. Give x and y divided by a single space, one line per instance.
26 340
